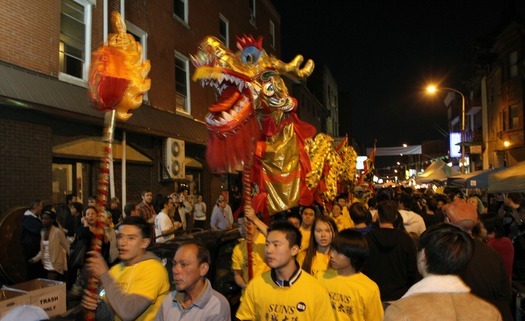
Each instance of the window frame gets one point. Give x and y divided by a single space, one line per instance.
252 9
183 19
64 76
513 64
272 34
224 38
143 40
186 61
515 117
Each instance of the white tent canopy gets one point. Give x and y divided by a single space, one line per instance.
437 171
509 180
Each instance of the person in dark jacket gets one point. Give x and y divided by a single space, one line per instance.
30 240
392 263
485 273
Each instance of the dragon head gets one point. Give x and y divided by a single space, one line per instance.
248 86
118 74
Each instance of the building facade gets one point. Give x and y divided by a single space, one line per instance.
51 136
503 97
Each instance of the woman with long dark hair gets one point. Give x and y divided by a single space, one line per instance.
316 258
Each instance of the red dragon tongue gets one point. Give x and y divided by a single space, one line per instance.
226 101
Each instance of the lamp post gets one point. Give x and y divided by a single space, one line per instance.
432 89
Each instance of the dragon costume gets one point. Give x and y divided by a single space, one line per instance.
254 128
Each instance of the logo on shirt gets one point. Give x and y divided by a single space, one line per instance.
287 309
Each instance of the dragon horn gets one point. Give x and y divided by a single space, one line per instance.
293 67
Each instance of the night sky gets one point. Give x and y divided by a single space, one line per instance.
383 53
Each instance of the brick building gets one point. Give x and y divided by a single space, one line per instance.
50 136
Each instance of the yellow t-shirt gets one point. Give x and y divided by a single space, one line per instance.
148 278
343 222
305 300
346 215
240 257
305 241
320 262
353 298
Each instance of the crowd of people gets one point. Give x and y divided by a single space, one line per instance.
387 254
405 254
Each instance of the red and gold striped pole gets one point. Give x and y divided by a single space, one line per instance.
117 82
247 185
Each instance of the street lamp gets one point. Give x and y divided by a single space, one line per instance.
432 89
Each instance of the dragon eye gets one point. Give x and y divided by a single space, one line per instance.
269 89
251 55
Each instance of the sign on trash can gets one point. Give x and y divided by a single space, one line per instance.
50 295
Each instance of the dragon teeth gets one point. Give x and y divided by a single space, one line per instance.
226 116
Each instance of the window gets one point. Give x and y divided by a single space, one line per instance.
182 81
180 10
141 37
514 117
67 178
75 40
504 120
272 34
251 6
513 64
224 28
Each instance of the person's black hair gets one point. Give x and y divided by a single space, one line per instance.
441 198
69 197
384 195
294 213
293 235
310 207
341 196
407 200
360 214
353 245
160 201
51 214
493 223
387 212
139 222
129 207
89 207
516 198
372 202
448 249
203 254
48 207
78 206
432 204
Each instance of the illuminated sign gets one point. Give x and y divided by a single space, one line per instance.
359 162
455 148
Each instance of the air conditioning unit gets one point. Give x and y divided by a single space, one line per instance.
175 158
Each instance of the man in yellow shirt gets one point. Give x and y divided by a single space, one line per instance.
308 215
286 292
240 251
135 287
